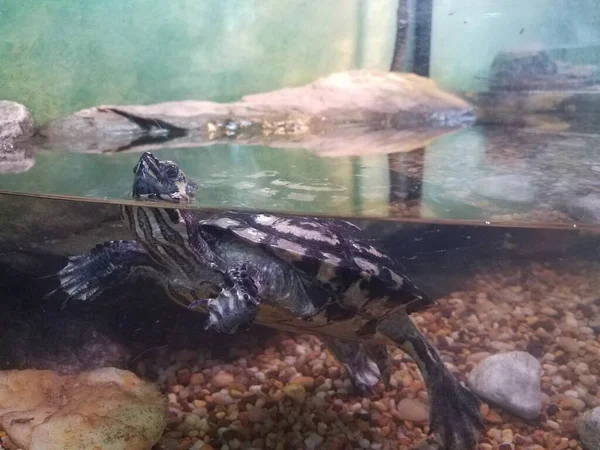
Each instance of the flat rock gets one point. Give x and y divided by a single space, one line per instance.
586 208
510 380
352 112
16 127
106 408
510 188
589 429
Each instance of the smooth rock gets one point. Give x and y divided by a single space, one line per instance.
506 188
586 208
589 429
106 408
413 410
510 380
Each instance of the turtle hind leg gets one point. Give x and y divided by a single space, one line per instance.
235 308
455 417
366 364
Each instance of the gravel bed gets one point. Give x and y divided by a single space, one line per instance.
272 390
289 393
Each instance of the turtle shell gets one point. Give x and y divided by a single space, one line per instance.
334 253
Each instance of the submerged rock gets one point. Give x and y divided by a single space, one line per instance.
16 121
585 209
506 188
510 380
16 127
353 112
589 429
106 408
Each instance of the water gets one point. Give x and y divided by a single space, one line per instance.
479 175
498 221
509 274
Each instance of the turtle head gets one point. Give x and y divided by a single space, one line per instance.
161 180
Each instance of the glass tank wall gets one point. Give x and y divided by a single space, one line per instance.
216 217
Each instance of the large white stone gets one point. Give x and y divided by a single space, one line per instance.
510 380
589 429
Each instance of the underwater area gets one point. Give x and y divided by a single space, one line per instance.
292 225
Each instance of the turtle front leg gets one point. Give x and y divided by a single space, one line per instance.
366 364
235 308
455 417
108 264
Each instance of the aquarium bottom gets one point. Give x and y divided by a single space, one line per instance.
283 391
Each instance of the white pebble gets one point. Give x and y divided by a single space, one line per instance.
326 386
313 441
572 394
300 350
364 443
571 321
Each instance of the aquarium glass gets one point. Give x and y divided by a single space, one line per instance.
296 224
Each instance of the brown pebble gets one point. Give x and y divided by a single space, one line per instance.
307 382
589 380
413 410
552 409
296 392
568 344
334 372
330 416
494 417
521 440
574 403
380 406
234 393
184 376
222 379
184 444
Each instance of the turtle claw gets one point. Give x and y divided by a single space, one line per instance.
455 415
87 276
236 306
365 364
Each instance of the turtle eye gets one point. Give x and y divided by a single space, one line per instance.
172 171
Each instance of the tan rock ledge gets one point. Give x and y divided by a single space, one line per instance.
346 113
107 408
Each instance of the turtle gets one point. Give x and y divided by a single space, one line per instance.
319 276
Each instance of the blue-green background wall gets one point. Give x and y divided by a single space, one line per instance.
58 56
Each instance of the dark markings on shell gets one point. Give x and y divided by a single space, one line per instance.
333 252
173 215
